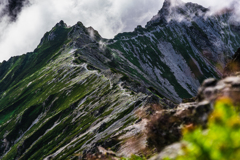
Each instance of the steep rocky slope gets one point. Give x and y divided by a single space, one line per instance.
77 91
180 47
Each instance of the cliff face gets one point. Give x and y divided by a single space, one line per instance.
180 47
77 91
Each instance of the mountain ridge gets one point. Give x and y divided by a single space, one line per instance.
77 91
208 44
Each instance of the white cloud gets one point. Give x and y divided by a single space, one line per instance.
214 4
109 17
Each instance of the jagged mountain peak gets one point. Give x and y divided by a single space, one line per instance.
55 34
181 34
175 10
77 31
61 24
168 3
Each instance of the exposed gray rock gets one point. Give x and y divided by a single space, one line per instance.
171 152
228 87
179 48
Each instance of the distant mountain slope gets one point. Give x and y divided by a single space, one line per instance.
180 47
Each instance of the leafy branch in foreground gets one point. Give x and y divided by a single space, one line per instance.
220 141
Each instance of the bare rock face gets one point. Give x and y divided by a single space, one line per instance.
229 87
173 8
186 44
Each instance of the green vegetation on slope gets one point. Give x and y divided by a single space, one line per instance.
61 104
20 67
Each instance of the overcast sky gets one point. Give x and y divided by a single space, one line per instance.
24 22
